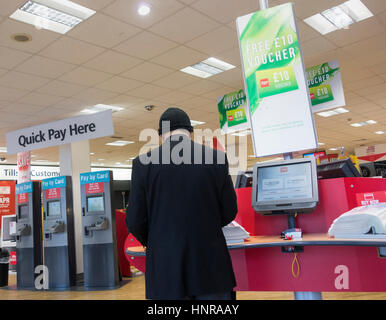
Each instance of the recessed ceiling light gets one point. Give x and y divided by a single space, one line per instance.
143 10
92 153
333 149
3 149
334 112
379 132
101 159
101 107
41 160
208 68
119 143
55 15
339 17
196 123
321 143
118 163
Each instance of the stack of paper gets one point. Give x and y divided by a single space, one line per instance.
361 222
234 233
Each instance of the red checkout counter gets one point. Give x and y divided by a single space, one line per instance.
260 264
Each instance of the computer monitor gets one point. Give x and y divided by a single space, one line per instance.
285 187
337 169
8 230
244 179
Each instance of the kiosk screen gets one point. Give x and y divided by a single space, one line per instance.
53 208
95 204
285 182
23 212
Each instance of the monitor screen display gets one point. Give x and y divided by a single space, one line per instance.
284 182
23 212
8 227
53 208
95 204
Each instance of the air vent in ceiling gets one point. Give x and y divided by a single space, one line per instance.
21 37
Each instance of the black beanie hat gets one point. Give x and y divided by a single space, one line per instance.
178 120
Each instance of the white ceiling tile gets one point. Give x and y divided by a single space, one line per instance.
85 76
231 56
226 11
191 24
23 108
40 99
375 6
71 50
103 31
9 58
94 4
94 95
147 72
232 78
10 6
145 45
40 38
307 8
176 80
112 62
124 101
126 10
356 32
214 94
60 88
71 104
148 91
9 94
45 67
316 46
180 57
200 87
215 41
119 84
18 80
306 32
174 97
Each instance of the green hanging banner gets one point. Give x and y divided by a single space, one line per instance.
275 83
233 113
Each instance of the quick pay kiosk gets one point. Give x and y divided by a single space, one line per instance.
28 232
100 258
58 224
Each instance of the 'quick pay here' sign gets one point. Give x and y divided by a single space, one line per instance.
61 132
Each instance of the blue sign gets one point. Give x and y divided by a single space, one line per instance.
51 183
25 187
92 177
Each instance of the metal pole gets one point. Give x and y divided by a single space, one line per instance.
263 4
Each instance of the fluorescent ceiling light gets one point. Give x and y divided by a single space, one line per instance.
55 15
321 143
333 149
208 68
92 153
3 149
320 24
143 10
101 107
356 10
363 123
379 132
41 160
334 112
101 159
119 143
339 17
196 123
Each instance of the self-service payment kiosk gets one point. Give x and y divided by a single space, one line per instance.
100 258
58 226
28 232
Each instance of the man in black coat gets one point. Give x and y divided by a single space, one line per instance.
181 197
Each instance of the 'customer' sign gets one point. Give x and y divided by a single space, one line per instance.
61 132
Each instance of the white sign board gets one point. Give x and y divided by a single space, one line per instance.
10 172
61 132
275 82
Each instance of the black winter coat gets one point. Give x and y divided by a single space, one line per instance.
177 211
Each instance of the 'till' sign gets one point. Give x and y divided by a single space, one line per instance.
61 132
